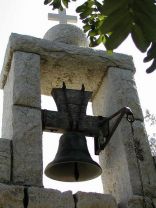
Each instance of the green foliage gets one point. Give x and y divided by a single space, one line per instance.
111 21
58 4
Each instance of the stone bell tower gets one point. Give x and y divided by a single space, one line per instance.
34 66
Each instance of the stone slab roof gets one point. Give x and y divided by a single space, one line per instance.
63 62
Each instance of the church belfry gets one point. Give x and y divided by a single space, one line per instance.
34 66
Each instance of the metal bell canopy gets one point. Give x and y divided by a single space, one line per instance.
73 161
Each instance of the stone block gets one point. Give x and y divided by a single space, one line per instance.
95 200
26 76
5 160
117 90
140 202
11 196
49 198
27 146
22 87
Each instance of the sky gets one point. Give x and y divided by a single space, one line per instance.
30 18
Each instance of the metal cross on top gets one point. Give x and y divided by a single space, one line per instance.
62 17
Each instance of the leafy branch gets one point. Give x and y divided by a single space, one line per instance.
111 21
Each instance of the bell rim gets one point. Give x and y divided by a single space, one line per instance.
98 167
93 163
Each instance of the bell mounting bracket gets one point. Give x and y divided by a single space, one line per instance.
71 116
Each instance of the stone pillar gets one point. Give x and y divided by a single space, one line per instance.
5 160
126 162
21 121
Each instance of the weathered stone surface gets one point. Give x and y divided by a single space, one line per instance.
7 128
90 66
154 202
95 200
150 190
140 202
138 156
5 160
154 158
27 146
11 196
67 33
49 198
146 165
120 165
118 89
22 87
26 78
23 83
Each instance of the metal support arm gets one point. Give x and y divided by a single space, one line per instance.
102 139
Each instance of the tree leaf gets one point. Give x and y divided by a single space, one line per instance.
145 6
138 37
110 6
114 21
81 8
86 13
92 42
92 33
56 4
47 1
65 2
151 53
147 26
117 37
96 41
152 67
98 5
86 27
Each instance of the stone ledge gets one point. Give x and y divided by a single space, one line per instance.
11 196
49 198
92 200
69 59
15 196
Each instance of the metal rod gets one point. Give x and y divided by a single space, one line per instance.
121 113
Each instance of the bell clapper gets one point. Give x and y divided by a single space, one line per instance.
76 171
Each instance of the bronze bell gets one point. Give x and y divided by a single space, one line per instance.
72 162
